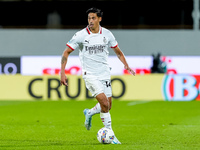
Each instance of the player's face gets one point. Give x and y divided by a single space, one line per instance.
93 21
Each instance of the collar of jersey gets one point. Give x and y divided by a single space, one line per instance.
89 32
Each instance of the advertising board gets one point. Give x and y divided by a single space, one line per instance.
9 65
181 87
50 65
125 87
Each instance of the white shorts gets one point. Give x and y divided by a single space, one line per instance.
96 87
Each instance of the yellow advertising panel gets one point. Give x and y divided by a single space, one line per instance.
141 87
127 87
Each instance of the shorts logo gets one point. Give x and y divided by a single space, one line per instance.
92 89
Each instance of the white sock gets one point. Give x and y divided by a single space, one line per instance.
106 119
95 110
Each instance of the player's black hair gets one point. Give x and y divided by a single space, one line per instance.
95 10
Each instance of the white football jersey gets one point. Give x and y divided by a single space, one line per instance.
93 51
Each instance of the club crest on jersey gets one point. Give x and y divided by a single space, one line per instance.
95 49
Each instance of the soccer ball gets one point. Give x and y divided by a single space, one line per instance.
105 135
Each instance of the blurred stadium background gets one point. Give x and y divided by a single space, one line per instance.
157 36
160 39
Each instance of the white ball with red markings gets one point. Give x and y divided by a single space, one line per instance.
105 135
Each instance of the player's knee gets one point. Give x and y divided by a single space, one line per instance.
105 107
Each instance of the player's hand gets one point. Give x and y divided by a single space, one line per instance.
129 70
63 80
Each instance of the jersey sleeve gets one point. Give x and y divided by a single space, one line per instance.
112 41
74 42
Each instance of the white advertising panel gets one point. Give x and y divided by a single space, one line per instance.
41 65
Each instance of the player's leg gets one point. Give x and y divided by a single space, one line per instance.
115 140
95 87
105 101
97 108
89 113
105 105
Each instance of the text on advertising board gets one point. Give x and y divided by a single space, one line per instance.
181 87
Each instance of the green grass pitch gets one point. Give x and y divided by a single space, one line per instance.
59 125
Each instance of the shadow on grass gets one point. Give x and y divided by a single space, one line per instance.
33 143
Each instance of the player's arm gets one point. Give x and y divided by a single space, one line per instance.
122 58
65 55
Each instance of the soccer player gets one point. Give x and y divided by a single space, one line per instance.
93 43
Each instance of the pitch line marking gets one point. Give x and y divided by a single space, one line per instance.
137 103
